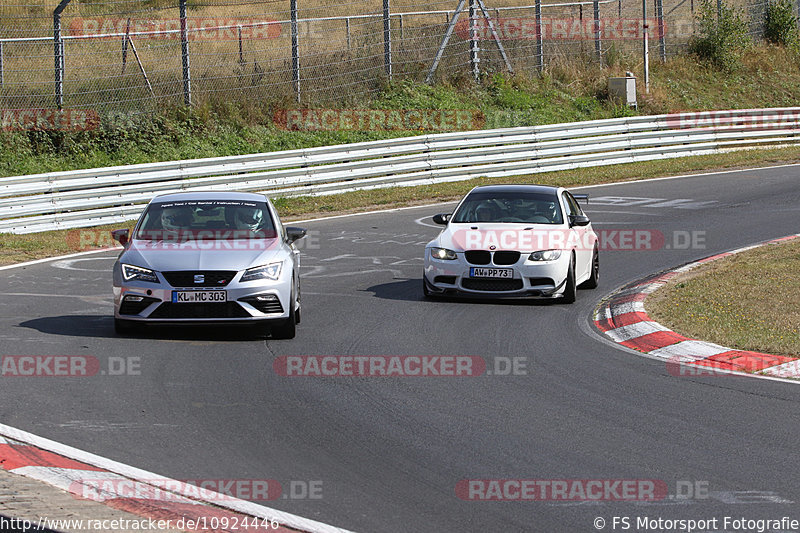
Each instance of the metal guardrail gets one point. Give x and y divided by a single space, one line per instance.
83 198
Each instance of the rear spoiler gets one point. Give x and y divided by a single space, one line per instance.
581 197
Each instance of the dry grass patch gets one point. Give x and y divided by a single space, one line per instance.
749 301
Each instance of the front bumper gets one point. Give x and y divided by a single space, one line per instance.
531 279
248 302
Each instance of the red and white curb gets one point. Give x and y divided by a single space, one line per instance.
623 319
81 473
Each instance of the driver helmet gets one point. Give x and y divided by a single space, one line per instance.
484 213
552 210
547 209
175 218
248 218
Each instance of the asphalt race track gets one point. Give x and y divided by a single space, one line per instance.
385 454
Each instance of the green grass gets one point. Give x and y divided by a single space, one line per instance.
746 301
769 77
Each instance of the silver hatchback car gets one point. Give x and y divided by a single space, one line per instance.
208 257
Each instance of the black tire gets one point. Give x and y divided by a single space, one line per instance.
287 328
426 292
570 291
299 306
124 327
594 278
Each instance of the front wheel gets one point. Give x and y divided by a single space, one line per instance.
426 292
594 278
570 293
287 328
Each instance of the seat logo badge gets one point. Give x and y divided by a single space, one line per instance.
199 278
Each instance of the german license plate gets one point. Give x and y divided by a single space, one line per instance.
179 297
501 273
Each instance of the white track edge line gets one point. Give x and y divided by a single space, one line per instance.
605 303
143 476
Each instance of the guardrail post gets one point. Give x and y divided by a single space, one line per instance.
187 78
645 50
474 60
125 45
58 48
1 65
662 45
241 49
387 39
295 50
598 47
539 38
347 29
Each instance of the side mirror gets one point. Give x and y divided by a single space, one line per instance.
121 235
294 233
578 220
442 218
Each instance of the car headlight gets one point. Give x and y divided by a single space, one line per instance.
545 255
134 273
271 271
443 253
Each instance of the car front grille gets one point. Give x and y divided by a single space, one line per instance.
541 281
478 257
483 257
494 285
211 278
200 310
505 258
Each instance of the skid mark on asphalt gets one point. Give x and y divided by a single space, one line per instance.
69 264
100 425
382 238
102 299
353 265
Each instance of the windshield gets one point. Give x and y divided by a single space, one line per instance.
206 219
525 208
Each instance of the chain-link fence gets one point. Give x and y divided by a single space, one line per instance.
144 54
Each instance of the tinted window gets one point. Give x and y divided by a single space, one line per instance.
574 206
527 208
206 219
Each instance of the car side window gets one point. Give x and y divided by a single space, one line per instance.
574 204
569 206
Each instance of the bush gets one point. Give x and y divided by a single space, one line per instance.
780 23
722 36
